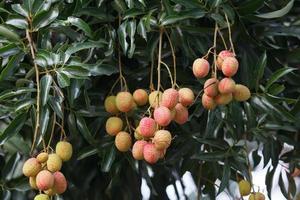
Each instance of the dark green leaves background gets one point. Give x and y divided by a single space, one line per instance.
77 43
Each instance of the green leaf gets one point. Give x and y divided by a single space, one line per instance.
13 128
278 13
193 13
10 167
11 66
108 159
18 23
14 92
277 75
82 46
9 50
83 129
62 79
44 121
9 34
44 18
55 104
87 152
261 68
131 29
119 5
250 7
141 29
82 25
122 34
210 156
20 9
225 177
46 82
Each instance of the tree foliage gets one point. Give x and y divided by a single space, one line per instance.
72 48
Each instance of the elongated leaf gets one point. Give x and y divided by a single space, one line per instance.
20 9
171 19
9 34
46 82
62 79
18 23
225 177
122 34
108 159
11 66
82 25
278 13
56 106
44 121
12 93
277 75
261 68
44 18
84 130
87 152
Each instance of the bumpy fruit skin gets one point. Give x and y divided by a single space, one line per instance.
137 134
147 127
140 97
64 150
31 167
42 157
244 187
182 114
200 68
170 98
296 172
44 180
155 98
54 163
257 196
41 197
186 96
32 182
241 93
222 55
162 116
60 183
110 105
226 85
223 99
123 141
138 149
173 113
151 154
113 125
124 101
208 102
162 139
230 66
211 87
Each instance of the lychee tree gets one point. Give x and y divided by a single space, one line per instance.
98 96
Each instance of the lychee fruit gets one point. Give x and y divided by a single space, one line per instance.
162 139
257 196
31 167
32 182
44 180
222 55
226 85
201 68
208 102
162 116
137 134
113 125
173 113
241 93
230 66
211 87
162 153
223 99
123 141
64 150
244 187
140 97
147 127
124 101
54 162
170 98
155 98
60 183
110 105
181 115
186 96
42 157
138 149
151 154
50 192
41 197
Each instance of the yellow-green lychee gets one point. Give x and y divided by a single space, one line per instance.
54 162
64 150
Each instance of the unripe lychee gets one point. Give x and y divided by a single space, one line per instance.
162 139
155 98
138 149
54 162
31 167
137 134
124 101
211 87
64 150
257 196
162 116
223 99
140 97
151 154
110 105
123 141
113 125
186 96
226 85
200 68
230 66
147 127
32 182
182 114
41 197
208 102
170 98
60 183
244 187
296 172
44 180
241 93
222 55
42 157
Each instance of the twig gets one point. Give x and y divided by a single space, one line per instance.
170 74
229 31
159 58
223 40
215 52
174 58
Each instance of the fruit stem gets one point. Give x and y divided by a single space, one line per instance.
230 35
151 87
214 74
170 74
159 58
223 40
52 131
128 124
174 59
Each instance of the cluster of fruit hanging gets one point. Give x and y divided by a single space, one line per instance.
44 173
